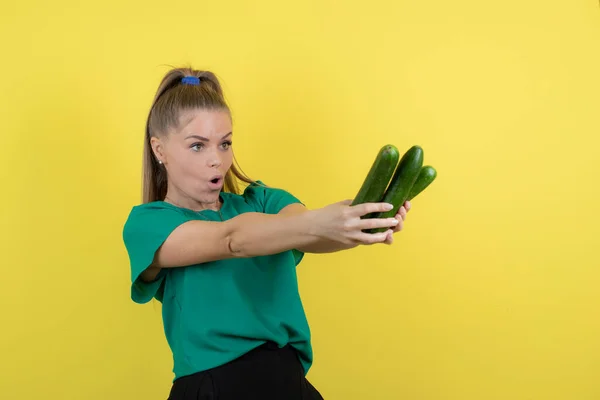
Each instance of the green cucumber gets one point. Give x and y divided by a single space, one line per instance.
403 180
425 178
378 178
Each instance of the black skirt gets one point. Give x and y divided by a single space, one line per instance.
265 373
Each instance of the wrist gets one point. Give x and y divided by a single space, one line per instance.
310 221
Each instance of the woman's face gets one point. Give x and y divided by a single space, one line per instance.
196 155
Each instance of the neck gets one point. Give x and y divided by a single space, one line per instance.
193 205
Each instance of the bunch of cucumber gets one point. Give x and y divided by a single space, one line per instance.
395 181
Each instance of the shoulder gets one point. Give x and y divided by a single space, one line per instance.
153 217
260 189
155 208
268 199
146 228
152 206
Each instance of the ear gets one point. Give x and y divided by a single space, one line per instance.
157 149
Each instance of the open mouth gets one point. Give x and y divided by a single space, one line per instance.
216 181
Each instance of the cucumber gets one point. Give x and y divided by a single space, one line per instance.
403 180
425 178
378 178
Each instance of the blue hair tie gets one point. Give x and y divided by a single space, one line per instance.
190 80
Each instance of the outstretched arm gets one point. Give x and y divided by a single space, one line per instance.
331 228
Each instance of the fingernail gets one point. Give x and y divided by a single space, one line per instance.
394 221
388 206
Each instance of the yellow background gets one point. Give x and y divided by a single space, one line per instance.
490 292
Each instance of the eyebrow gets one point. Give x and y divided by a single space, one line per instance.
206 139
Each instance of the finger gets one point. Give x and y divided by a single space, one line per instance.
375 223
389 239
402 213
346 202
407 205
367 208
399 227
373 238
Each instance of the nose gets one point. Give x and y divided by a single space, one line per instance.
214 160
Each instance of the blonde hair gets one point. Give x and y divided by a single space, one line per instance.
170 100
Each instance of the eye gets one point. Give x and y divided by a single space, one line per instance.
197 146
226 144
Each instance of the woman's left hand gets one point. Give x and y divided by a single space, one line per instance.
401 217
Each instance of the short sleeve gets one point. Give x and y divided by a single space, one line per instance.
145 230
270 200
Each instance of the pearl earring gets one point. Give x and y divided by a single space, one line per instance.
160 162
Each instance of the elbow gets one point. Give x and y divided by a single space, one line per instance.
234 244
233 247
237 247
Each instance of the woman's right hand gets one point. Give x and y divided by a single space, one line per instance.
342 223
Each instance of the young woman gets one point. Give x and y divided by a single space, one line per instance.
223 261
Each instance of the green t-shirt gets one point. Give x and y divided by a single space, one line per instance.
216 311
